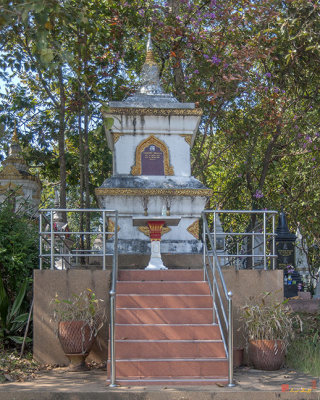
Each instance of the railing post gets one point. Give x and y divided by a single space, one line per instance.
113 306
237 258
273 243
112 341
40 240
52 241
215 230
253 249
104 240
213 289
230 341
264 242
204 245
116 247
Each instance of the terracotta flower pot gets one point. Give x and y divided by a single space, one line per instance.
267 355
76 339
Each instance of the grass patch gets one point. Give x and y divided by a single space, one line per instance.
304 355
304 351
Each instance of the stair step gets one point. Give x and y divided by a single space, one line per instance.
125 287
164 301
147 349
167 275
167 332
163 316
164 330
205 367
173 381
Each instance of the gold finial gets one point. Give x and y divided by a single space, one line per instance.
15 138
150 56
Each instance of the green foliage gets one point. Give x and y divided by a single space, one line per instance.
19 249
304 352
303 355
253 67
84 306
12 318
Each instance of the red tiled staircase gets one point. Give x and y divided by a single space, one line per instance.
164 331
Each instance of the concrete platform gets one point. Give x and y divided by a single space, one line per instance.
310 306
59 384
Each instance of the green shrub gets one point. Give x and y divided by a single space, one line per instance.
19 247
12 318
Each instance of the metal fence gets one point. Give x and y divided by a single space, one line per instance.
64 246
243 238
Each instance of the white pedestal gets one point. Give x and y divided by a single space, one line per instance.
155 262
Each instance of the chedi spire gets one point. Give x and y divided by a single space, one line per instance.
150 76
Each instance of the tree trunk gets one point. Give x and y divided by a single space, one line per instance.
61 144
86 171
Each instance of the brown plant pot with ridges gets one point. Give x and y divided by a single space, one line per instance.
267 355
76 339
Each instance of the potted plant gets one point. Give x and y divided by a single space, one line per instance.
269 329
79 320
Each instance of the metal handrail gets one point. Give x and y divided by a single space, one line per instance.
214 289
113 292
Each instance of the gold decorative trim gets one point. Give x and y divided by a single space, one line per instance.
10 172
111 225
150 58
12 186
153 192
15 138
194 229
116 136
187 138
153 111
146 231
136 169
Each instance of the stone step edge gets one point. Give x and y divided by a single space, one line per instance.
176 379
165 294
213 359
161 281
169 340
170 381
164 308
195 325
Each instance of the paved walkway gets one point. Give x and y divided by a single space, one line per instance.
60 384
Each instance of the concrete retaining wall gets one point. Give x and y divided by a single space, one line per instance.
46 346
246 285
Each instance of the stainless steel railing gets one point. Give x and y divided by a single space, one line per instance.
54 244
214 258
257 244
63 245
214 276
113 292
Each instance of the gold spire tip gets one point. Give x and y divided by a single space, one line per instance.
15 138
150 60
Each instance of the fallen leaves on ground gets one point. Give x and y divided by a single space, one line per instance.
14 369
